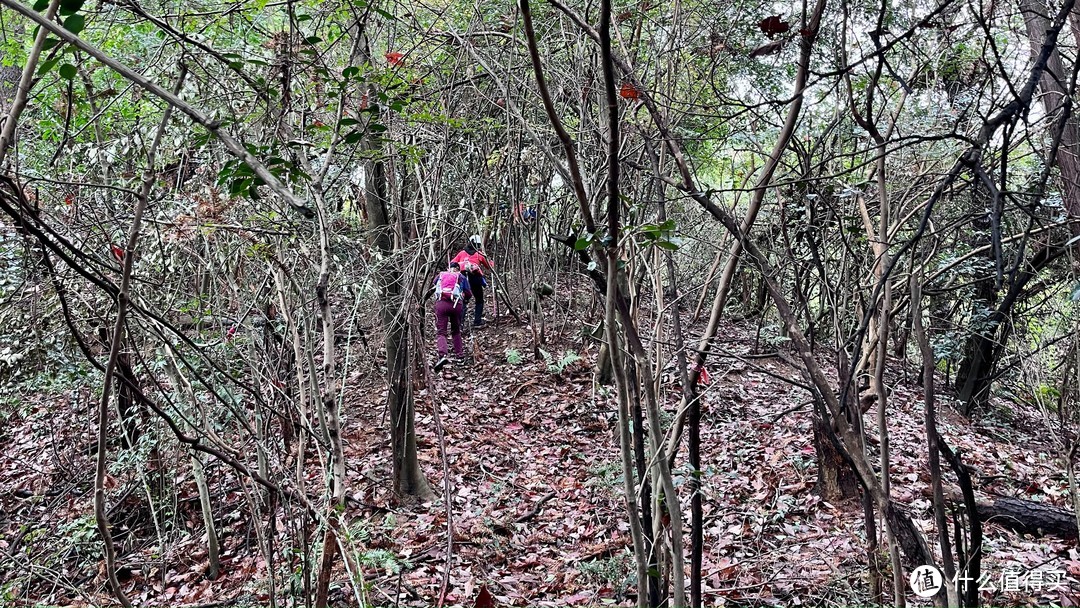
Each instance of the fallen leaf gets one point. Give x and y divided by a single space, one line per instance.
484 599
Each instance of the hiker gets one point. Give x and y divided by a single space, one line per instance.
473 261
451 292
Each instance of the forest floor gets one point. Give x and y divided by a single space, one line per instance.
535 487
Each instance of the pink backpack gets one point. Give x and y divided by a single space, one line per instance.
448 287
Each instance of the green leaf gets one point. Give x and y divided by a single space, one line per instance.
303 18
385 14
350 71
70 7
47 66
68 71
582 243
313 40
49 43
672 244
348 122
354 137
41 5
240 185
75 23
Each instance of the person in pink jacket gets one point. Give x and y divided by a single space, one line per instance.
452 291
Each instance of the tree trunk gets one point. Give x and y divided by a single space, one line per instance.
975 377
836 481
409 480
976 372
976 368
1057 101
1022 516
1029 517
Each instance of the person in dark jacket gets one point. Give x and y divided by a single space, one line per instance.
473 262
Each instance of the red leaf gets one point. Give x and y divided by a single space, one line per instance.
773 25
629 91
118 252
395 59
484 599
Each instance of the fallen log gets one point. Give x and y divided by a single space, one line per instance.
1029 517
1021 516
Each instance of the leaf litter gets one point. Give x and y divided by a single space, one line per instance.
536 494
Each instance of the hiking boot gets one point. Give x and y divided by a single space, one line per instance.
480 323
441 363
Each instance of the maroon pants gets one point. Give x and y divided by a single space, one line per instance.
447 311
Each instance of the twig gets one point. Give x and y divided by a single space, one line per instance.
536 508
789 410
